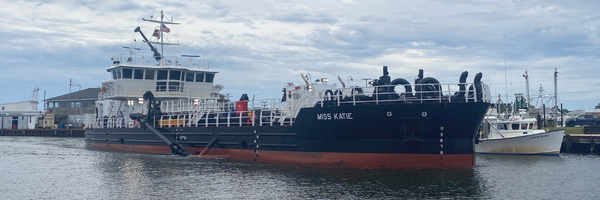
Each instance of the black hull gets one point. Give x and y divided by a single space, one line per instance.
432 130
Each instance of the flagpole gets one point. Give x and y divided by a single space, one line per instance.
162 60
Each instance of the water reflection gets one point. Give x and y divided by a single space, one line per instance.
150 175
41 168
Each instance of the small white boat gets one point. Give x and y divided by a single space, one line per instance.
517 136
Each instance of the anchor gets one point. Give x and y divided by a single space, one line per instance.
412 138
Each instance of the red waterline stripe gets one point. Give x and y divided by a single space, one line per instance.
322 159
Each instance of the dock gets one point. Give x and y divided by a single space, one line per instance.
581 143
43 132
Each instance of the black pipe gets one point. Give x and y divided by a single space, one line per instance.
478 88
462 87
175 147
419 77
208 146
330 94
430 90
338 93
406 85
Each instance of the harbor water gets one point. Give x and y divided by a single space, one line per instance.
61 168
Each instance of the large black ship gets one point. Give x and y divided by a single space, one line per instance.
166 108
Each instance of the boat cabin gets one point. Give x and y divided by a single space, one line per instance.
131 80
493 128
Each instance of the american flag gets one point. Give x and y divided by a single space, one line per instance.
156 33
165 29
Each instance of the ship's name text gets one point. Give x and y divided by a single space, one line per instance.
539 136
334 116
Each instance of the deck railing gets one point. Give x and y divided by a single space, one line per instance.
148 60
273 112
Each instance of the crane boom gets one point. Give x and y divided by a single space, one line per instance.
157 55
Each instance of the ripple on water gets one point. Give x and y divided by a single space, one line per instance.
36 167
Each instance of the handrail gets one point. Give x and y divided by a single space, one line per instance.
170 61
211 112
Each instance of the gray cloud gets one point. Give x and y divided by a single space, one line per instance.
259 46
305 17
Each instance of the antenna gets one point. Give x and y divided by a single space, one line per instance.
505 82
208 59
34 94
555 89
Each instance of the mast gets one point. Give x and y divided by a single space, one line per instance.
555 89
161 29
527 87
162 37
505 80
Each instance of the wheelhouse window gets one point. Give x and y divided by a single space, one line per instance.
173 86
114 74
161 86
209 78
119 73
175 75
138 74
182 76
189 77
162 74
515 126
523 126
199 77
502 127
531 126
127 73
149 74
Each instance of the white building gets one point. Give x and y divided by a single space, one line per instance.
595 112
20 115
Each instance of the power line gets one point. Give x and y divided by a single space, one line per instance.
579 92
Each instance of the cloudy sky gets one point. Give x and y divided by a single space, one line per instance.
258 46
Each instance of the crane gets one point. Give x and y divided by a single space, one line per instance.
157 55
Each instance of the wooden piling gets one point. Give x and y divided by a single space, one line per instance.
581 143
568 144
